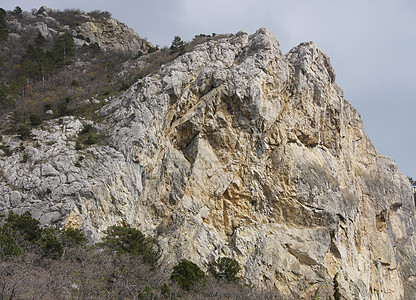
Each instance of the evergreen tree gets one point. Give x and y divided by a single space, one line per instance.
17 11
3 25
186 274
178 46
63 48
225 268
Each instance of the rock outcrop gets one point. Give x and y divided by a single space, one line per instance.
236 150
111 34
107 32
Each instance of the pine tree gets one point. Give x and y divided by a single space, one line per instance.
17 11
63 48
178 46
3 25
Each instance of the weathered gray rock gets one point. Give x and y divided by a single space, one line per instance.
111 34
234 149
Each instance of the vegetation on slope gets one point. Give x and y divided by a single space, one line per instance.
46 263
55 77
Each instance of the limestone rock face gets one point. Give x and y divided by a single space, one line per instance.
113 35
237 150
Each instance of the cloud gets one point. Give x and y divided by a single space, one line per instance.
371 45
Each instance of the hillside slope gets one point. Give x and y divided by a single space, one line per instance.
55 60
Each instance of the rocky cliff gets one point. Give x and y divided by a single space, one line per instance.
94 27
237 150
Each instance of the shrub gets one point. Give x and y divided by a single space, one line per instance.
94 48
91 139
25 158
23 132
62 110
148 293
73 237
87 128
132 241
74 83
151 50
47 107
35 119
6 149
25 224
337 294
98 14
78 146
8 245
165 290
50 245
225 268
186 274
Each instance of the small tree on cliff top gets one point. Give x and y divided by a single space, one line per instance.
178 46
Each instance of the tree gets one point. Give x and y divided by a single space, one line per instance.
25 224
17 11
4 31
63 48
8 245
132 241
225 268
186 274
178 46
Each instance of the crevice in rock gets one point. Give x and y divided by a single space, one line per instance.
191 149
381 220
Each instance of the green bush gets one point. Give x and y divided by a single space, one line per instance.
25 224
50 245
165 290
94 48
8 245
23 132
148 293
25 227
63 110
91 139
87 128
186 274
132 241
35 119
225 268
25 158
337 294
6 149
73 237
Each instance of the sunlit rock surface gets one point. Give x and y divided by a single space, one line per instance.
237 150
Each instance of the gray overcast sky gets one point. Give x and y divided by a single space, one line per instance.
371 44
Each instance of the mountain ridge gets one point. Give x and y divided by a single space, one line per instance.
232 149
